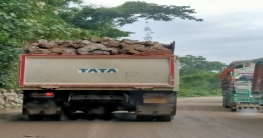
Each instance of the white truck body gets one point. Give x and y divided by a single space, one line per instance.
100 72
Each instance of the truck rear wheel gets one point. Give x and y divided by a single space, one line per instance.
61 117
233 109
166 118
144 118
107 116
34 117
225 102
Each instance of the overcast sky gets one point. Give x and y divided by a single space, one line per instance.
232 30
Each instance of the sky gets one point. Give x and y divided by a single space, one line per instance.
231 30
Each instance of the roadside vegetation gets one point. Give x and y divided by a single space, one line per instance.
199 77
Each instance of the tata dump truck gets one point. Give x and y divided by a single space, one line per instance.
236 82
59 85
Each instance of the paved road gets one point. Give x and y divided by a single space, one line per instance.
196 118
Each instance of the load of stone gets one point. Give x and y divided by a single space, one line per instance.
102 46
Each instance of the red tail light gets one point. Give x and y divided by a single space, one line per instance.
42 95
49 94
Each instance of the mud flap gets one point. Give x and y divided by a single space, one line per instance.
157 104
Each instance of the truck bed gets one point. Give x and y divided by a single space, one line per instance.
157 72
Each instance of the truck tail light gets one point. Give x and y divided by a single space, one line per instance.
43 95
49 94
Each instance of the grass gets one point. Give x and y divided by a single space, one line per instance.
196 93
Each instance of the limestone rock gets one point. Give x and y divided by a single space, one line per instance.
93 46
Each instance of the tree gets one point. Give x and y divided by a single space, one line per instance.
27 20
199 77
148 31
61 3
8 56
191 64
106 21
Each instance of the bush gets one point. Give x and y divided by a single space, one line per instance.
184 92
8 63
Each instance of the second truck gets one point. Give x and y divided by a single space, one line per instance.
236 83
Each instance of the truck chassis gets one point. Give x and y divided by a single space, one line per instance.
147 105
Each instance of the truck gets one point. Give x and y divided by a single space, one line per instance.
60 85
236 82
257 83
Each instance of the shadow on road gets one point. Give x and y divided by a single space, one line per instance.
213 108
122 117
209 108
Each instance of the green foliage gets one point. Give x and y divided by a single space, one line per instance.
199 77
106 21
8 62
61 3
192 64
28 20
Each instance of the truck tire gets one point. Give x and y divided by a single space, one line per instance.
144 118
175 106
107 116
232 106
167 118
61 117
225 102
233 109
34 117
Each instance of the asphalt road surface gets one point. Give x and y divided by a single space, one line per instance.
196 118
